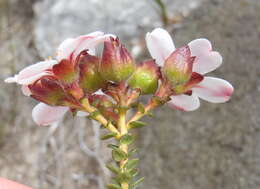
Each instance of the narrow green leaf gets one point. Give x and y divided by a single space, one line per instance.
132 152
124 177
113 168
113 146
139 181
133 172
109 135
113 186
141 108
131 164
137 124
127 139
150 114
119 155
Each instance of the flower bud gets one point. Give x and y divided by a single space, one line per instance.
178 66
47 90
65 71
90 79
117 64
145 77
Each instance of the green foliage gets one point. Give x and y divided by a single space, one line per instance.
108 136
119 155
126 139
131 164
113 186
137 124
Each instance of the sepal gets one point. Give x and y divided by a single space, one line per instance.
117 64
177 68
145 77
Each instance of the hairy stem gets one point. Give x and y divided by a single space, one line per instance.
90 109
123 131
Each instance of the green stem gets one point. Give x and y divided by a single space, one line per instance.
124 147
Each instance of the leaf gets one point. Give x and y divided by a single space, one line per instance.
141 108
113 186
113 146
119 155
132 152
133 172
124 177
150 114
113 168
137 124
94 114
136 183
109 135
127 139
131 164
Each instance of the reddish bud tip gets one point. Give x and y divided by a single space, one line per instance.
178 66
117 64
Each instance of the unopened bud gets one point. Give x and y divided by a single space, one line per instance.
145 77
117 64
90 79
178 66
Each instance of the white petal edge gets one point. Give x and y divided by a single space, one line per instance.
214 90
44 114
11 79
26 91
71 45
159 44
206 60
184 102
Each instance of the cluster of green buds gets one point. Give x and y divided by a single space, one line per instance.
106 88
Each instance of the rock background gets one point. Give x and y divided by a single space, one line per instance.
216 147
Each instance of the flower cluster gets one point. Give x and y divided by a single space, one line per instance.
174 75
105 87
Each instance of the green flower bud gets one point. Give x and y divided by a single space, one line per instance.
178 66
90 79
117 64
145 77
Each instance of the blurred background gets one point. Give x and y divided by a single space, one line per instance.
215 147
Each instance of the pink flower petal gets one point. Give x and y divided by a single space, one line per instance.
44 114
214 90
160 45
26 91
185 102
72 47
206 60
11 79
35 69
8 184
32 79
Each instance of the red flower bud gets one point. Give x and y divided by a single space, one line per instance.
47 90
117 64
145 77
178 66
90 79
65 71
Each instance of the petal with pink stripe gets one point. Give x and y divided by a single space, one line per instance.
213 90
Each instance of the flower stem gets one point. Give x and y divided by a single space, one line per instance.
124 147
